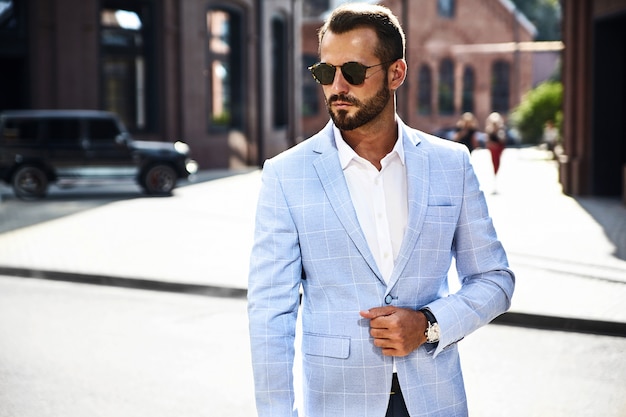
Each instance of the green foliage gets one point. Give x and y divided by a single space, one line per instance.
545 15
539 105
222 119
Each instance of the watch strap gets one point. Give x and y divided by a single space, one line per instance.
429 316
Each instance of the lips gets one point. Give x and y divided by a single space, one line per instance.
342 101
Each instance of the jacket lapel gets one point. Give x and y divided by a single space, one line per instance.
331 176
417 169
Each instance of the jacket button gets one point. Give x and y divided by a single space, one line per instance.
388 299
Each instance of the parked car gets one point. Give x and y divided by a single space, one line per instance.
39 147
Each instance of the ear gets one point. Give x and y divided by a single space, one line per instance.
397 74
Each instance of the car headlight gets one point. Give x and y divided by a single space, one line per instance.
191 166
181 147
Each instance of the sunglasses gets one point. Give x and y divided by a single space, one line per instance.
353 72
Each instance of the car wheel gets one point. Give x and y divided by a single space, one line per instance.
30 183
159 180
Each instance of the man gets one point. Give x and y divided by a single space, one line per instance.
364 218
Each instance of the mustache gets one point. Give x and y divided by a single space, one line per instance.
343 98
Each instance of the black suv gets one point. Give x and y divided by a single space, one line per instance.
38 147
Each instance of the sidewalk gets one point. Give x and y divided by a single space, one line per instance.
199 240
559 247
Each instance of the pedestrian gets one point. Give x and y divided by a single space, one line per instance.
356 228
496 138
550 137
467 131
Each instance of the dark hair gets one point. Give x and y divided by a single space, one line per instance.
350 16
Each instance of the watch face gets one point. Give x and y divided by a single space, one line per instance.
432 334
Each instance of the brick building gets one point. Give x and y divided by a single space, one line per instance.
229 76
464 55
594 105
218 74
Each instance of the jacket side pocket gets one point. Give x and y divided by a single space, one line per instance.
326 345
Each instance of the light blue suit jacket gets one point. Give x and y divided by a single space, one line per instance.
307 237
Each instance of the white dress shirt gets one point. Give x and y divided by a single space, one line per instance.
379 198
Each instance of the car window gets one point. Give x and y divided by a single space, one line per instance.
104 130
20 131
63 131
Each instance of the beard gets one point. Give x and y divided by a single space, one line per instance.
366 111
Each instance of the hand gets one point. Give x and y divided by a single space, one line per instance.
398 331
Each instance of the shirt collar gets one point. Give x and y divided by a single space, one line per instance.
347 154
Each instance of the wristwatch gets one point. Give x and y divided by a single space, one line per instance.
432 329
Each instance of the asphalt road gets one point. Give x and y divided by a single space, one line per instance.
68 200
76 350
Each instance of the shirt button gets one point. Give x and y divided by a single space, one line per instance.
388 299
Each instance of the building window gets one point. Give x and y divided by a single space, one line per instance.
315 8
280 77
9 22
15 76
127 65
225 68
467 101
446 87
445 8
500 88
310 88
424 91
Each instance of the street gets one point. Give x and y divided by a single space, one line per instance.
73 349
76 350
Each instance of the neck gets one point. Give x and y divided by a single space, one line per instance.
374 140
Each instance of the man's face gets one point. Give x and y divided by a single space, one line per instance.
364 111
352 106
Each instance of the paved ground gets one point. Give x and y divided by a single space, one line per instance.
569 256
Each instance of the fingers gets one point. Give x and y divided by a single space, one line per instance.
397 331
376 312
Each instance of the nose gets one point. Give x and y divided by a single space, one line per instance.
339 84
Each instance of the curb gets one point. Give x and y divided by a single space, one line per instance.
564 324
515 319
121 282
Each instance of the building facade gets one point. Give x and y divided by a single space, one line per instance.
594 105
464 55
217 74
229 77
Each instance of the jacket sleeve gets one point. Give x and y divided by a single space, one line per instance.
487 283
273 298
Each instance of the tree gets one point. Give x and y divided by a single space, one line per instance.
545 15
539 105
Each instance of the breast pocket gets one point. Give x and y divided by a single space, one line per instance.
441 214
437 230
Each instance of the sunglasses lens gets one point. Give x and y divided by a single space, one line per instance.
323 73
353 72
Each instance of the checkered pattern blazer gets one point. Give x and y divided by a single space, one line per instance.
308 239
